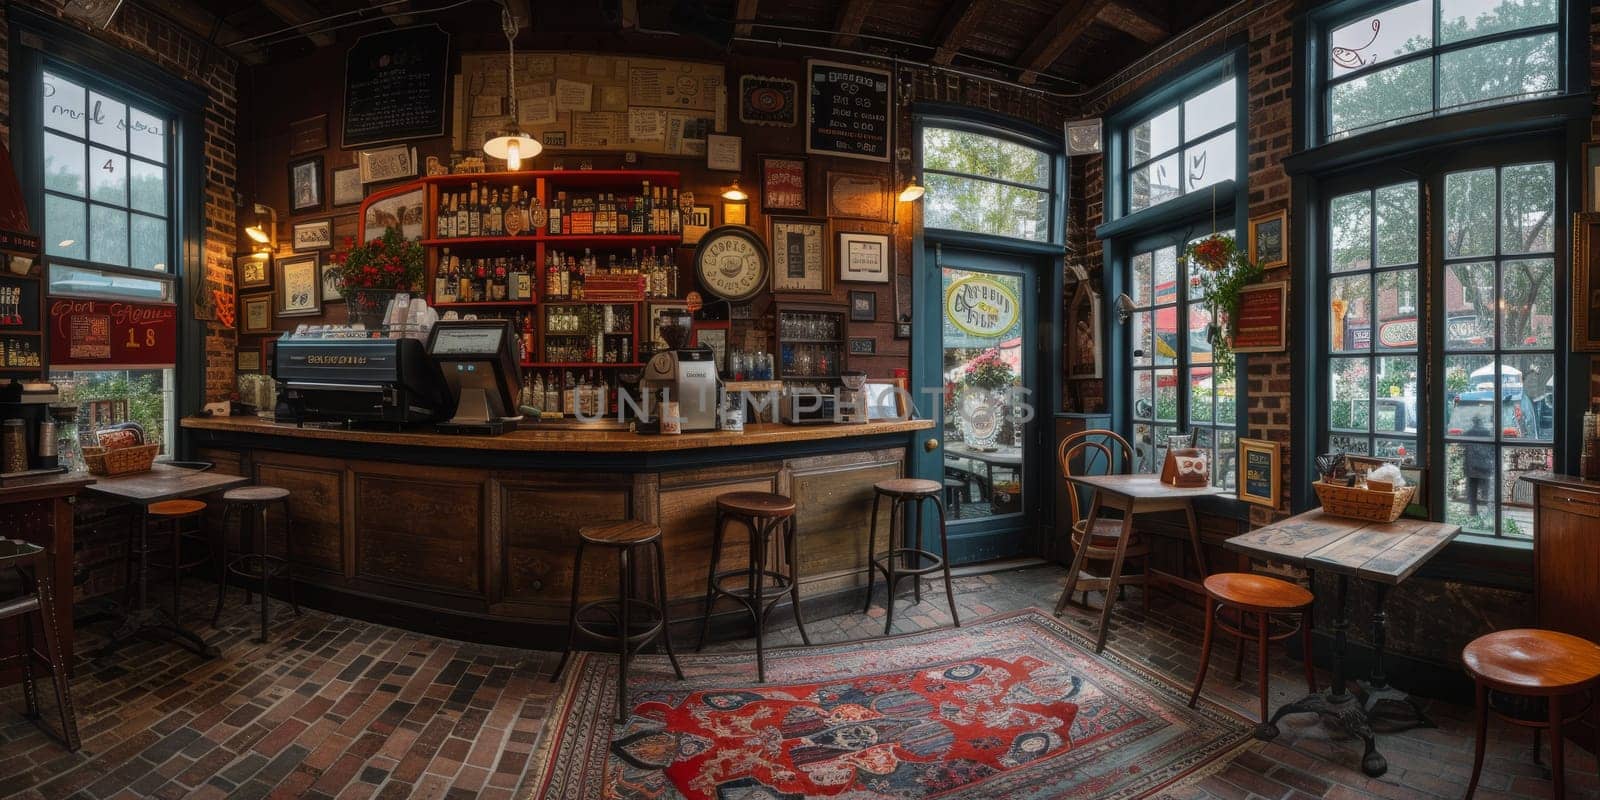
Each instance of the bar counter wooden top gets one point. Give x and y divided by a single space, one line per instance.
571 441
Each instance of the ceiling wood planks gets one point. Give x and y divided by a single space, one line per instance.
300 14
848 25
1135 22
960 20
745 11
214 29
1069 23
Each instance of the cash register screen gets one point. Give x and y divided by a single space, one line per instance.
477 354
469 341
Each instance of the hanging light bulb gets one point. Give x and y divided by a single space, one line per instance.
513 145
913 191
264 232
734 192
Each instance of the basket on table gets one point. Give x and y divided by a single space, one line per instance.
109 461
1364 502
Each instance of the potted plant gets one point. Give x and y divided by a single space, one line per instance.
980 402
1222 272
1006 498
370 274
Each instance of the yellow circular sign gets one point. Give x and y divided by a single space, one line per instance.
981 306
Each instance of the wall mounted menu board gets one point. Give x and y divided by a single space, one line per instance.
394 85
849 113
587 103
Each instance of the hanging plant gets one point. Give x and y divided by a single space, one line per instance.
1222 272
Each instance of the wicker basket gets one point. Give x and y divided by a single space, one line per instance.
1363 503
120 461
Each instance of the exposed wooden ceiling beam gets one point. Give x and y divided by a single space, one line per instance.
1135 22
299 14
395 7
746 10
211 28
1064 28
849 22
960 20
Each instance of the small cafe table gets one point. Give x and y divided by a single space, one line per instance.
143 489
1132 495
1382 554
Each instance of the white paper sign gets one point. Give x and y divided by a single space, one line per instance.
536 111
572 95
646 124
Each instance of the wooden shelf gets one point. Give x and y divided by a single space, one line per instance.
560 177
529 302
593 241
580 364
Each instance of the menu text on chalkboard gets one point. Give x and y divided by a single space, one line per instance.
850 112
394 86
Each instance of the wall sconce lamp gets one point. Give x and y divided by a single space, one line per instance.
265 236
912 192
1124 308
735 193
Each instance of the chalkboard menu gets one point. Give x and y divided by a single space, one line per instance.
1259 467
394 84
850 114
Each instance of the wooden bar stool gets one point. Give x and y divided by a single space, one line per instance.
627 611
32 564
1532 663
916 492
1099 452
762 515
1262 597
251 503
173 517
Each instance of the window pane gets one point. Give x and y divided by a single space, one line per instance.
147 135
1403 449
1142 341
1144 394
1210 110
1154 184
63 105
108 235
108 177
1471 470
1527 306
1202 396
64 231
1350 219
1464 19
1154 136
1349 320
1346 443
1142 265
63 164
1166 343
1378 37
1528 208
1397 310
1469 396
1499 72
969 204
1527 398
149 242
1166 395
1469 213
147 187
984 156
88 282
1516 495
1349 394
1384 97
108 122
1144 459
1209 162
1166 275
1397 225
1198 329
1469 306
1395 411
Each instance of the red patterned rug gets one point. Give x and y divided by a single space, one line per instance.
1012 706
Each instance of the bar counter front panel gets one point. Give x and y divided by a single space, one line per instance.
475 537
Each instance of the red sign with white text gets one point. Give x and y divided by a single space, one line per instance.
109 333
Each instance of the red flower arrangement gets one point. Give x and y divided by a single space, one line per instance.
389 263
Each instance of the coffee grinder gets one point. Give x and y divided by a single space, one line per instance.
852 403
686 375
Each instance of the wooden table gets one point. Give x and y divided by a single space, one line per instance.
1006 456
1132 495
143 489
1382 554
39 511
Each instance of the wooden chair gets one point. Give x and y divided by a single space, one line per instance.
1099 452
1533 663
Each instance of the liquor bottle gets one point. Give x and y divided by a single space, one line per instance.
441 279
555 213
460 228
453 280
552 276
527 336
516 213
675 214
442 220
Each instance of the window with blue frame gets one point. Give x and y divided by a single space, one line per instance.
1407 61
1184 147
986 184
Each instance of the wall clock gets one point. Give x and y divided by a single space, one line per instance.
732 263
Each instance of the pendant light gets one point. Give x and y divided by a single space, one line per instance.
513 145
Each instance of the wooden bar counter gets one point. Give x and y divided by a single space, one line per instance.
474 537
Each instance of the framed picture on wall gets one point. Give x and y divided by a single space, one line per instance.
299 290
313 235
1586 281
1269 244
765 100
783 183
696 222
862 257
253 271
717 340
247 361
331 290
735 213
1260 471
305 184
653 314
256 313
799 254
1591 176
308 135
856 195
347 188
387 164
863 306
723 152
863 345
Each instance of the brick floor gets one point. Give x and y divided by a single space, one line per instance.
338 708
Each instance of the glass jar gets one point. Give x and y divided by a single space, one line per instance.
13 446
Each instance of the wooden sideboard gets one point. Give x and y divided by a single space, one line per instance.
1566 554
40 511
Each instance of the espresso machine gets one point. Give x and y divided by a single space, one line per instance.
687 375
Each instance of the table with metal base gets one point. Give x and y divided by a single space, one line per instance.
141 618
1383 554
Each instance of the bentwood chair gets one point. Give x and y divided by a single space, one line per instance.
1099 452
